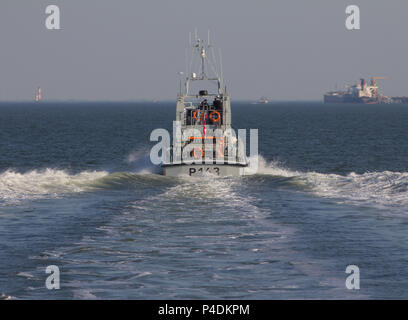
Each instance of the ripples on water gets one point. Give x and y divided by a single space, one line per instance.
118 229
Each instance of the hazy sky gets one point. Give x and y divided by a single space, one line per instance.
133 49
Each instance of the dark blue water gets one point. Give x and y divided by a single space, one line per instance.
77 190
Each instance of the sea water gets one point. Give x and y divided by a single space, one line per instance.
78 191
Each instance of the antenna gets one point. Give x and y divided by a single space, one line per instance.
208 34
221 72
186 61
180 75
203 55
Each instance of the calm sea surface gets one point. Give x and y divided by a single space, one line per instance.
77 190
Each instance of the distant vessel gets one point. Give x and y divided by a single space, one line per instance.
38 95
362 93
200 113
263 100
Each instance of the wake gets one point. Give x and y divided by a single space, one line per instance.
36 184
382 189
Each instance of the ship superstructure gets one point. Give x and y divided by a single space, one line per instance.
358 93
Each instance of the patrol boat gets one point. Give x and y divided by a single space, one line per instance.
203 139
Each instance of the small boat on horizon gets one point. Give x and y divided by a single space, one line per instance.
262 100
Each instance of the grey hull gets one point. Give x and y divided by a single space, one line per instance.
222 170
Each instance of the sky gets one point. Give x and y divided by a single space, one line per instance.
133 49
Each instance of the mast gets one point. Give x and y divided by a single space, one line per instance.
203 75
208 68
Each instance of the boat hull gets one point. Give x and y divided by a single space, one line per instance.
196 170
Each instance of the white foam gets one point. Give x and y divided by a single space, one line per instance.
140 162
382 189
3 296
84 294
274 168
26 275
15 186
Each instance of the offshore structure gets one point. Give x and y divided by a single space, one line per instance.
38 95
362 93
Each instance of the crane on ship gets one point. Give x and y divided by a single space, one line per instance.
374 84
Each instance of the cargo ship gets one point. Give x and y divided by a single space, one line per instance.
362 93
